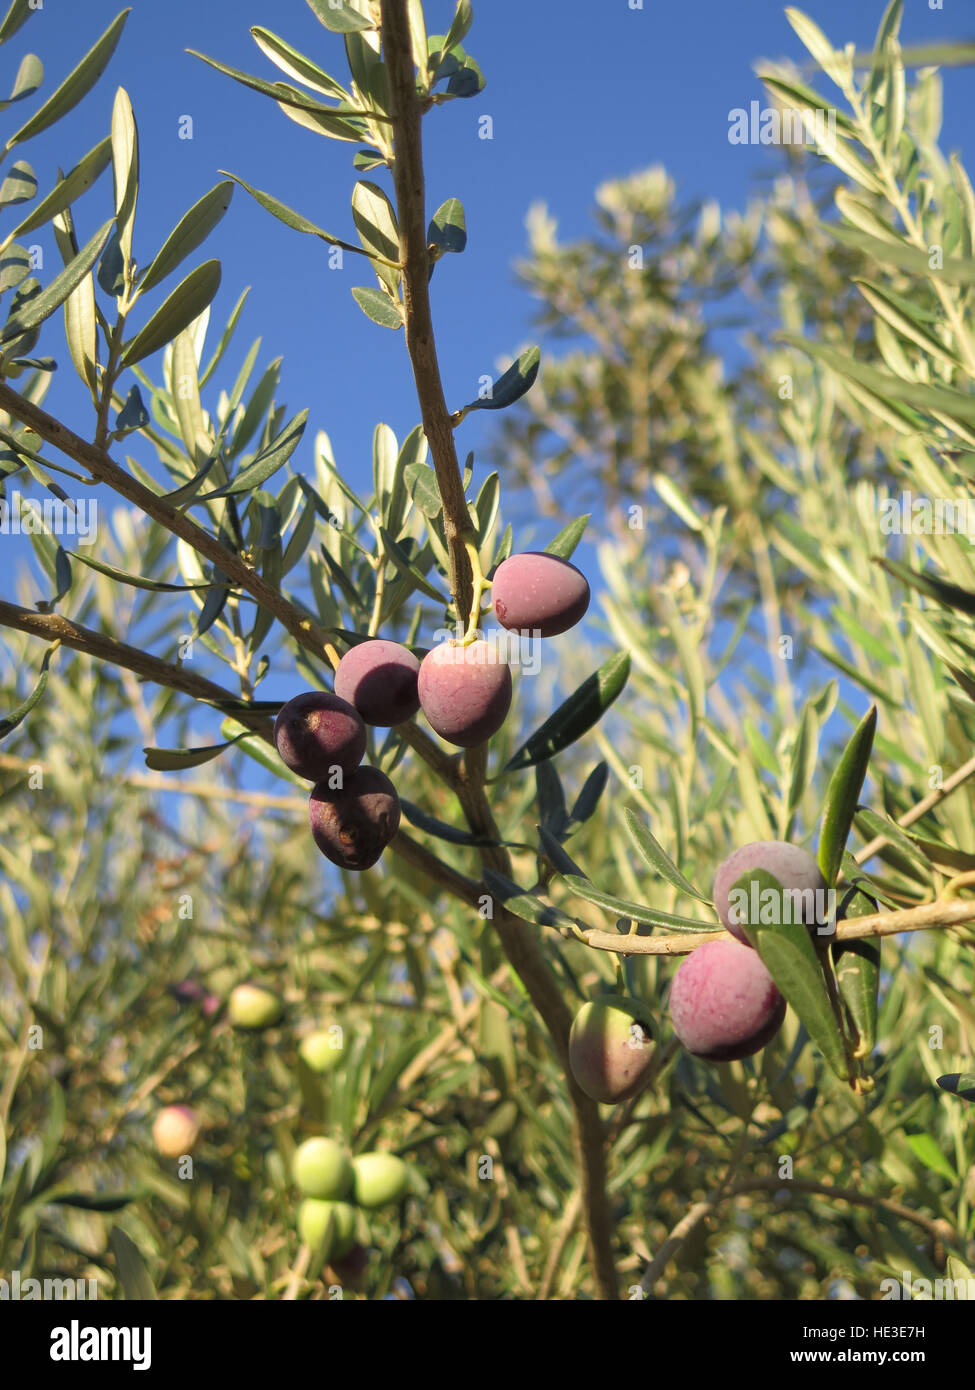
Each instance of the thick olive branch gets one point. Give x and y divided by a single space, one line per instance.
518 940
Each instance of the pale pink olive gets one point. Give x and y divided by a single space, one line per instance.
723 1002
175 1131
539 593
611 1048
794 868
322 1168
465 691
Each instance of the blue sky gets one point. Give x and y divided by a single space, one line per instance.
578 91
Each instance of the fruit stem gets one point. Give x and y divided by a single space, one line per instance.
481 585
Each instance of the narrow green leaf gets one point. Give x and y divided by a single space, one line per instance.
459 26
926 1148
525 905
568 538
19 185
296 65
959 1084
133 1275
292 219
340 16
638 912
790 957
125 164
375 220
949 595
588 798
379 307
187 301
512 385
843 796
857 968
953 269
176 759
190 231
42 305
16 17
266 463
584 708
76 85
406 566
451 833
16 716
136 580
81 178
656 857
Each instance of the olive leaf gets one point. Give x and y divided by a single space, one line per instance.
790 958
857 968
657 858
448 227
843 795
639 912
16 716
568 538
186 303
66 190
76 85
41 306
525 905
266 463
511 385
190 231
378 306
584 708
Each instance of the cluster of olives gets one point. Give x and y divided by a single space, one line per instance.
462 687
337 1189
723 1003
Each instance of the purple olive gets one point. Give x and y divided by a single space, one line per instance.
317 734
354 823
380 678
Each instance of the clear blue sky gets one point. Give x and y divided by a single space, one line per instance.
579 91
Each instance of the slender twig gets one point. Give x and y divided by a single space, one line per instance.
406 112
